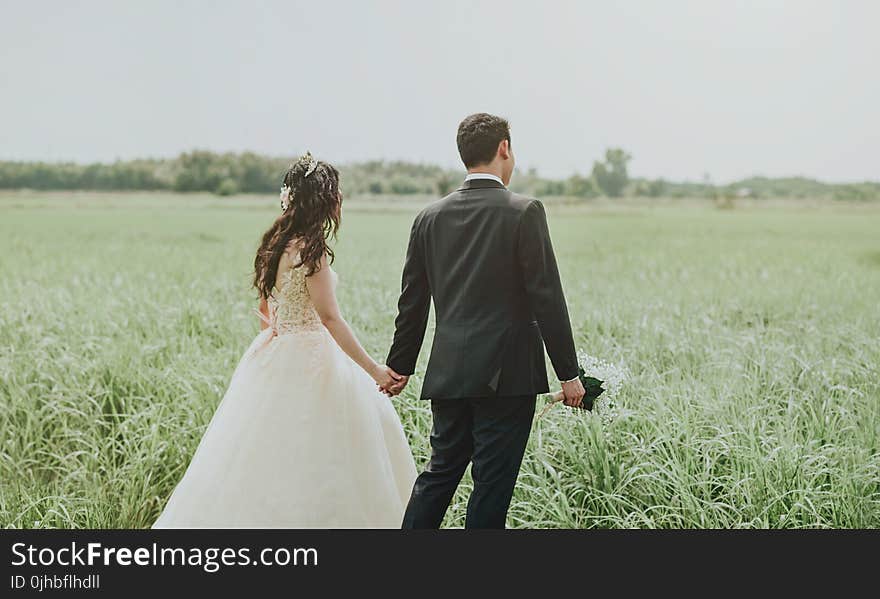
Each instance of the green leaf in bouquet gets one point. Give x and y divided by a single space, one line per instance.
593 389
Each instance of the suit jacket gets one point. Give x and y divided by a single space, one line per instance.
484 255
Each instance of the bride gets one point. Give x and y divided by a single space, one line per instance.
304 437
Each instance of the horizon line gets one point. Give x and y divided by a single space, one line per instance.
522 169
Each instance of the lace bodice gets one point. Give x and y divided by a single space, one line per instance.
290 306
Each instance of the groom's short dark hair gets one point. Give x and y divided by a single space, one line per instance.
479 136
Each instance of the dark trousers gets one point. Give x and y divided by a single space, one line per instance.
490 432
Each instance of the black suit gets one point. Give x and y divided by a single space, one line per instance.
484 255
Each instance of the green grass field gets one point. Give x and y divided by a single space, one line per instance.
752 339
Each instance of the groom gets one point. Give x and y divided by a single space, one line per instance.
483 254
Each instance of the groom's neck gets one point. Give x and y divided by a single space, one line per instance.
489 169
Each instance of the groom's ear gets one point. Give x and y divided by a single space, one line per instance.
504 149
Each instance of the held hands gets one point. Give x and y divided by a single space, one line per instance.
390 383
396 388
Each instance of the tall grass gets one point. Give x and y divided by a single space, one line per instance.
752 338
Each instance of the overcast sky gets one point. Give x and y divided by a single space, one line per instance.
726 88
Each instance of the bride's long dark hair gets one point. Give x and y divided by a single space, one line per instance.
311 218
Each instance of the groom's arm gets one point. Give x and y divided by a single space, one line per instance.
412 309
544 288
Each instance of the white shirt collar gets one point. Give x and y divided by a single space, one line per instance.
472 176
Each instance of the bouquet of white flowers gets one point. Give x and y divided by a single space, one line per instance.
602 382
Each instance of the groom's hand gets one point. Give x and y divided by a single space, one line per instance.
574 393
397 385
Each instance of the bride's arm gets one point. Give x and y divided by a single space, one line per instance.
321 290
264 310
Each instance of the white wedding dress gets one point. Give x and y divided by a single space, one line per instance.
302 438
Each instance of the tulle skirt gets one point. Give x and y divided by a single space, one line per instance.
302 439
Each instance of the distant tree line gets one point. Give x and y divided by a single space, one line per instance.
229 174
223 174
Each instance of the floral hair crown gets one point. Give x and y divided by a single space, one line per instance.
310 164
